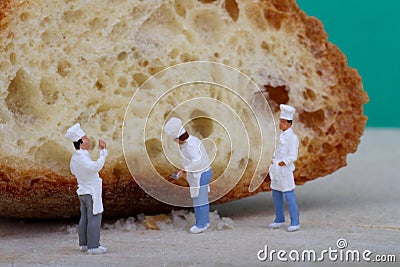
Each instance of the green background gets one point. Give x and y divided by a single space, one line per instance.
368 33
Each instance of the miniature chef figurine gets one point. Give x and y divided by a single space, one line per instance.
196 164
281 173
89 189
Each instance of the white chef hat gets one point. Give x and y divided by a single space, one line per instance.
174 128
75 133
287 112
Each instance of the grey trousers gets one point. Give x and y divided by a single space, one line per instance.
89 224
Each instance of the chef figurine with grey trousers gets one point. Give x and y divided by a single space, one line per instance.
89 189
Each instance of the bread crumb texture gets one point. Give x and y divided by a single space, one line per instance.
68 61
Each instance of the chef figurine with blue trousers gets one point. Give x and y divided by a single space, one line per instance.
281 172
89 189
196 165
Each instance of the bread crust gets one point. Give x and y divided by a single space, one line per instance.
32 188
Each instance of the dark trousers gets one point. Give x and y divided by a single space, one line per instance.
89 224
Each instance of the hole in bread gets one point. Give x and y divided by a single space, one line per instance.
140 78
243 162
304 142
49 92
328 148
48 37
120 29
153 147
265 46
99 86
122 82
104 127
136 55
206 1
331 130
122 56
201 123
186 57
53 155
278 94
154 69
64 68
13 58
233 9
32 150
174 53
274 18
120 169
309 95
348 136
25 16
73 16
44 22
116 135
24 98
339 147
97 24
313 120
180 10
35 181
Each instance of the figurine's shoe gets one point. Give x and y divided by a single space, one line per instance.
82 248
197 230
103 249
97 251
275 225
293 228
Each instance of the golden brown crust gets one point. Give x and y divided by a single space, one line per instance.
328 132
42 194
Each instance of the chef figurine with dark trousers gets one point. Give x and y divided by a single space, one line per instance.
89 189
281 172
196 164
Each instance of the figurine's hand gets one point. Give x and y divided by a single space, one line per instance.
177 175
181 172
174 175
102 144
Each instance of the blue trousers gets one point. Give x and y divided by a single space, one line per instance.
200 204
280 208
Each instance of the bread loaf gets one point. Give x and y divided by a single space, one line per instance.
69 61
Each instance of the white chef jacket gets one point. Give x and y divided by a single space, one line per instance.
282 178
195 161
86 172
